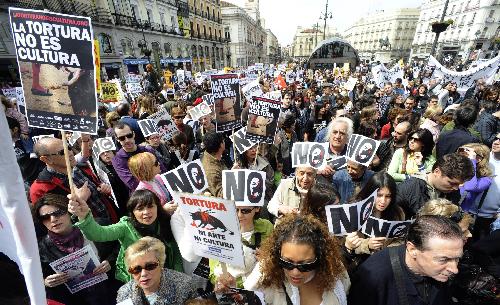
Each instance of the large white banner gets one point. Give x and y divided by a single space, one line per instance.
382 75
17 232
465 79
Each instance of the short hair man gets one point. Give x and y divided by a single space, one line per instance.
212 161
398 139
126 137
434 245
410 104
448 173
54 179
349 181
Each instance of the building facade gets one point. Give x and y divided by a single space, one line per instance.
133 33
305 40
273 48
475 29
245 33
387 34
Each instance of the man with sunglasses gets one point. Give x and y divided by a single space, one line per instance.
126 137
54 179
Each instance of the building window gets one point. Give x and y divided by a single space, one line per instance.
156 47
168 49
105 44
127 47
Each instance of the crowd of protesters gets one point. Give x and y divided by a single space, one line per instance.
438 163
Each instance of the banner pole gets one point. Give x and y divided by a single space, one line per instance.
256 155
234 149
68 165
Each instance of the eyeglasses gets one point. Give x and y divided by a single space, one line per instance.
301 267
148 267
496 139
414 139
57 213
244 211
128 136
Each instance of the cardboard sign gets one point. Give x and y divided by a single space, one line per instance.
56 65
336 162
351 83
200 111
109 92
134 88
148 127
376 227
245 187
241 143
37 138
209 99
21 104
164 124
133 78
252 89
274 95
188 178
262 122
346 218
361 149
310 154
102 145
214 227
226 94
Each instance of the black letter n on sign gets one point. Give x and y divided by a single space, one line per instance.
235 188
341 220
179 185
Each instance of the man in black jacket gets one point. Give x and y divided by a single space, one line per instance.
448 173
415 273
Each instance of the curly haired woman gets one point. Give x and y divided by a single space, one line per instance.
301 264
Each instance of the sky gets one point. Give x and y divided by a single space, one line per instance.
283 16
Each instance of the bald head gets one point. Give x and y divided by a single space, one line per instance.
51 152
400 133
44 145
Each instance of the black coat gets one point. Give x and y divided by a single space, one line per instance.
413 194
449 141
488 126
374 284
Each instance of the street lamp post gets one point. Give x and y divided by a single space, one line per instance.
434 44
324 16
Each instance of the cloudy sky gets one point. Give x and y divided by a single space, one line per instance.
283 16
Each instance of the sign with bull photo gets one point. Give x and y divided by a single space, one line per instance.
376 227
200 111
188 178
164 124
241 143
226 95
262 122
214 227
102 145
361 149
148 127
346 218
310 154
245 187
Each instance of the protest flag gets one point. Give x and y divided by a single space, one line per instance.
17 232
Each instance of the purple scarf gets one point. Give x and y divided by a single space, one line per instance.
68 243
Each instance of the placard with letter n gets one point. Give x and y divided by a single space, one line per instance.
148 127
310 154
376 227
361 149
245 187
101 145
346 218
240 141
186 178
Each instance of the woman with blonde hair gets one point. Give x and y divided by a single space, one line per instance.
431 121
111 119
444 207
146 168
479 154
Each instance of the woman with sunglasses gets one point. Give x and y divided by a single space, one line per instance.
254 231
471 190
301 261
146 168
145 218
61 240
152 283
414 159
180 152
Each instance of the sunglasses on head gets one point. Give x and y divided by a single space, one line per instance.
301 267
57 213
138 269
244 211
128 136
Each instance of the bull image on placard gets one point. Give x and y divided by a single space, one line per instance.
205 219
255 189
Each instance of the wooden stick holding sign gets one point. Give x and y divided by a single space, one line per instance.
256 155
68 165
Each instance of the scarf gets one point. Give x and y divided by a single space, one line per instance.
68 243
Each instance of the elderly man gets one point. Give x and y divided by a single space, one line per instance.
348 182
291 191
126 136
54 179
414 273
337 134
